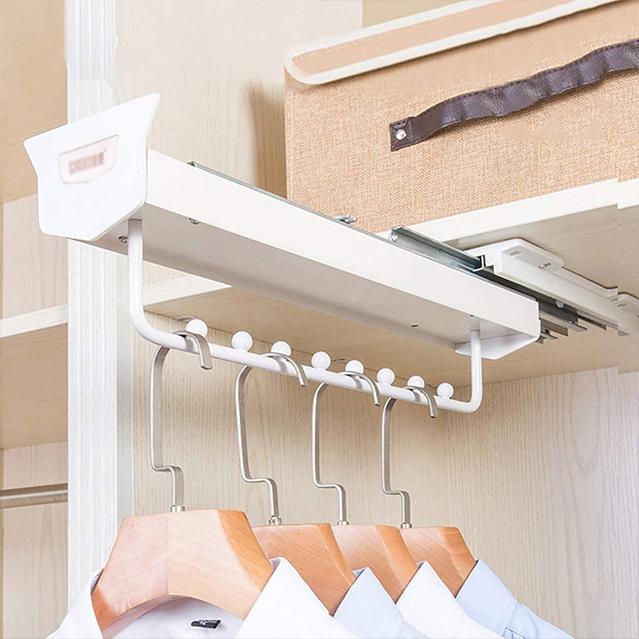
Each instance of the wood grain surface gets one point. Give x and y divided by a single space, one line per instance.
34 545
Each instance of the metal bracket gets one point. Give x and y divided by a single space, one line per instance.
526 264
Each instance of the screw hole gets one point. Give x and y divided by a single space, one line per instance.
414 325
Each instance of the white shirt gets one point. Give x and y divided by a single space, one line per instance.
427 604
485 598
369 612
286 609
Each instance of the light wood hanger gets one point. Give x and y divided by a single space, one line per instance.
443 548
310 548
210 555
380 548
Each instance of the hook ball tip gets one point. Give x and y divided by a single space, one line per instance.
242 341
321 360
385 376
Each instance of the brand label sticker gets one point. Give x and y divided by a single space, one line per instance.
88 162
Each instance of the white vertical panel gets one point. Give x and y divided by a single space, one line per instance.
100 474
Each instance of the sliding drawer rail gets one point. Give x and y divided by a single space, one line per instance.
557 315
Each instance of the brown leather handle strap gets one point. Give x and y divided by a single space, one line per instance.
515 96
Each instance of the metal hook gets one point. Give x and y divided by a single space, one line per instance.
341 492
386 421
274 519
155 418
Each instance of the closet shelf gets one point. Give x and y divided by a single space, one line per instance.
33 378
95 175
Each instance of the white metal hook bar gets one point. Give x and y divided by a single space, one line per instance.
315 420
155 416
240 414
386 422
169 340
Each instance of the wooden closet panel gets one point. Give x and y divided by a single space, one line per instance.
543 482
34 545
218 69
32 85
34 265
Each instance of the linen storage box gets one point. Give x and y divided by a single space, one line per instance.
464 107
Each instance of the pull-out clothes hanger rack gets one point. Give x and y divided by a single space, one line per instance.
210 225
207 224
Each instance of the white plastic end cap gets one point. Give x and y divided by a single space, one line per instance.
321 360
445 390
355 366
242 341
198 327
417 381
281 347
385 376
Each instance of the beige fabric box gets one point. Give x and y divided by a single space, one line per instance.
343 95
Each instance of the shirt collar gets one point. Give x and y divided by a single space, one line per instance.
286 608
367 610
427 604
485 598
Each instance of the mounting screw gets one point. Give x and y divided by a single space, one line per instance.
393 237
123 239
193 221
545 265
400 134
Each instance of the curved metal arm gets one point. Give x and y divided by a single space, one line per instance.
240 413
341 492
155 417
386 422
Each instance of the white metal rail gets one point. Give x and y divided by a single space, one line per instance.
318 372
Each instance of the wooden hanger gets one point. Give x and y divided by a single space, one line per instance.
443 548
379 548
310 548
314 552
210 555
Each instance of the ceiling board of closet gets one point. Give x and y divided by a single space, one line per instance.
231 309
